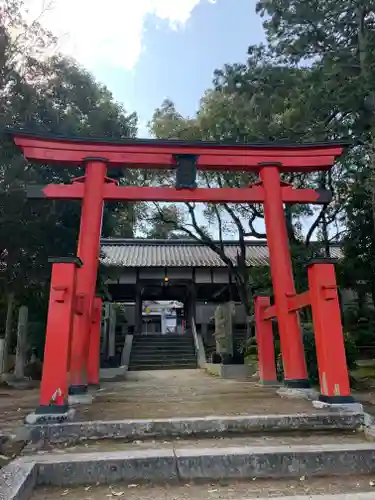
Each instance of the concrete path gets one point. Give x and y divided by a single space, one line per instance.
185 393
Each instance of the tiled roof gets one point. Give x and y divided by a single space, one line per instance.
180 253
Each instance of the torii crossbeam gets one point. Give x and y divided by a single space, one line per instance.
269 161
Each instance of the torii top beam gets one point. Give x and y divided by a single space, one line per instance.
152 153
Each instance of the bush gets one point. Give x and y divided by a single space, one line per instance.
310 353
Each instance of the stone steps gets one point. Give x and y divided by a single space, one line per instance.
266 453
251 440
184 464
163 366
72 432
150 357
162 352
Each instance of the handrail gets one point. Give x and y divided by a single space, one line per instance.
199 346
195 336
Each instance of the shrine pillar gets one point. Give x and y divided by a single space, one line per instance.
295 372
88 252
61 309
265 343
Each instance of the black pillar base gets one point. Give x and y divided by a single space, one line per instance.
297 383
75 390
336 400
52 409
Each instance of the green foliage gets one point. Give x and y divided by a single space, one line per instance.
310 354
47 95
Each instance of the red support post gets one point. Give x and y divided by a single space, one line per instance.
88 252
54 384
329 339
295 372
265 343
93 363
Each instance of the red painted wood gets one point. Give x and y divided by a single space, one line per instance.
58 334
88 252
244 162
176 148
164 194
265 342
299 301
269 313
329 339
282 277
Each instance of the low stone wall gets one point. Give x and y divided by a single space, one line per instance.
230 371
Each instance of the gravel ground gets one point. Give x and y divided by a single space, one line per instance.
15 404
216 491
185 393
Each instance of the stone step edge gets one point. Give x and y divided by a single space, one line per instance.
19 479
74 431
168 357
178 464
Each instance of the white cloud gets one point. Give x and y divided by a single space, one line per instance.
110 31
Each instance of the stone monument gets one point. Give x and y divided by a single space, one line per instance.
224 328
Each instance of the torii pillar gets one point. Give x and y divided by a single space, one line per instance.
88 252
295 370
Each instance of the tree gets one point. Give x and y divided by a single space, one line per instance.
337 39
48 95
164 223
261 100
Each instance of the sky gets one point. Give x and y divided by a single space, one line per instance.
149 50
145 51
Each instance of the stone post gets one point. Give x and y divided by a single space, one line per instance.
21 343
112 331
224 329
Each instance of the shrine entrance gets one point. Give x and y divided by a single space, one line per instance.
71 359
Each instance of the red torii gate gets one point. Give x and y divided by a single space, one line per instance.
73 327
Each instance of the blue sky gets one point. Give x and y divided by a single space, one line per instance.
147 50
179 64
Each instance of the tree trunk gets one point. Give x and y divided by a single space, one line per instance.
21 343
8 333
